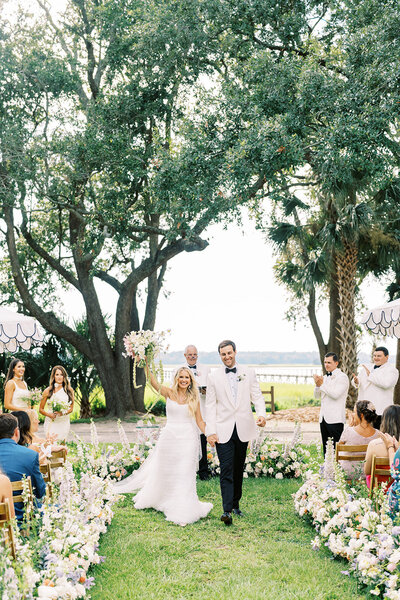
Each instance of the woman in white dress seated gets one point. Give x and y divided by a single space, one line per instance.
59 393
16 393
167 478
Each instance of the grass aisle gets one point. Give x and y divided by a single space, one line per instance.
266 555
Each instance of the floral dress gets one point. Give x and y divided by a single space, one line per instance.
394 491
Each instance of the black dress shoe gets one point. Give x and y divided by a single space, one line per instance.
238 512
227 518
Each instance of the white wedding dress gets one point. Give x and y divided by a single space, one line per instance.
60 425
167 478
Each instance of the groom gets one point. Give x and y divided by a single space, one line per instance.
230 423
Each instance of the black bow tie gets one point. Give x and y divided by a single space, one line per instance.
329 374
376 366
192 366
230 370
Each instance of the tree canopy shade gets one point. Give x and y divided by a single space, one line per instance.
109 164
311 93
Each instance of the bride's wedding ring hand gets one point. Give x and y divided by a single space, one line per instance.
261 421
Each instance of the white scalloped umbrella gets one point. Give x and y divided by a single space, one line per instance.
18 330
384 319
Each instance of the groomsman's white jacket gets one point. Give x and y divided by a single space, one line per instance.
200 373
377 386
333 394
222 411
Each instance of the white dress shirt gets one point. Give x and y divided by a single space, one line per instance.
200 373
378 386
233 382
333 394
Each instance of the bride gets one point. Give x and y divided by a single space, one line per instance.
167 478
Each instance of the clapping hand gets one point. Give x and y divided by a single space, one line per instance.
261 421
355 378
319 380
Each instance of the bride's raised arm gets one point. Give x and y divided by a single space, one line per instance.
162 389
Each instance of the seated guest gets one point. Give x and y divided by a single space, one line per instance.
361 432
38 442
392 447
24 426
390 425
28 423
6 493
18 461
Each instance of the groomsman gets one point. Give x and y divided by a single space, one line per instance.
200 373
375 382
230 422
332 389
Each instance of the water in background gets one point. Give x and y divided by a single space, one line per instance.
278 373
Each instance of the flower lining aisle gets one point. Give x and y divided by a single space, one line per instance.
354 527
53 559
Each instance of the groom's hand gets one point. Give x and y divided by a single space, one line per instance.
212 439
261 421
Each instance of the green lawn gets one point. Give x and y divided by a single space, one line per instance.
266 555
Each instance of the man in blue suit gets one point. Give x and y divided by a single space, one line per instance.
17 461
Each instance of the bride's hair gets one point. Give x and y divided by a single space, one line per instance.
192 391
66 384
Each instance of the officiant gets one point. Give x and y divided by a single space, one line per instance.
200 373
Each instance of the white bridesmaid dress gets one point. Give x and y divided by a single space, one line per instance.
20 397
167 478
61 425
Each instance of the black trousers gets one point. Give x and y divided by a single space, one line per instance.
232 455
330 430
203 463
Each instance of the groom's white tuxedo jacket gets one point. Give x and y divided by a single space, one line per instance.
223 411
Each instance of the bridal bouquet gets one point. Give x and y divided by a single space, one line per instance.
145 345
60 405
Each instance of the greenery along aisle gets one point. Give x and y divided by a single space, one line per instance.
267 555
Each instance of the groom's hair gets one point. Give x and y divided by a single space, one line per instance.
226 343
334 356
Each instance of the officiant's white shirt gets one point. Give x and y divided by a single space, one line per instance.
223 410
378 386
200 373
333 394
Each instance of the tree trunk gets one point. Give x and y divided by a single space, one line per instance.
396 393
315 326
334 310
85 408
347 270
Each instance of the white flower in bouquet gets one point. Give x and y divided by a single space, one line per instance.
60 405
36 396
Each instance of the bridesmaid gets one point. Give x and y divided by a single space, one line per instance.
16 393
59 389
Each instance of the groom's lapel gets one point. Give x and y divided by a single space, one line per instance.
227 386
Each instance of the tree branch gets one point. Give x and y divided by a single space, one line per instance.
48 320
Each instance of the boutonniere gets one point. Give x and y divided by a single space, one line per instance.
241 377
197 373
